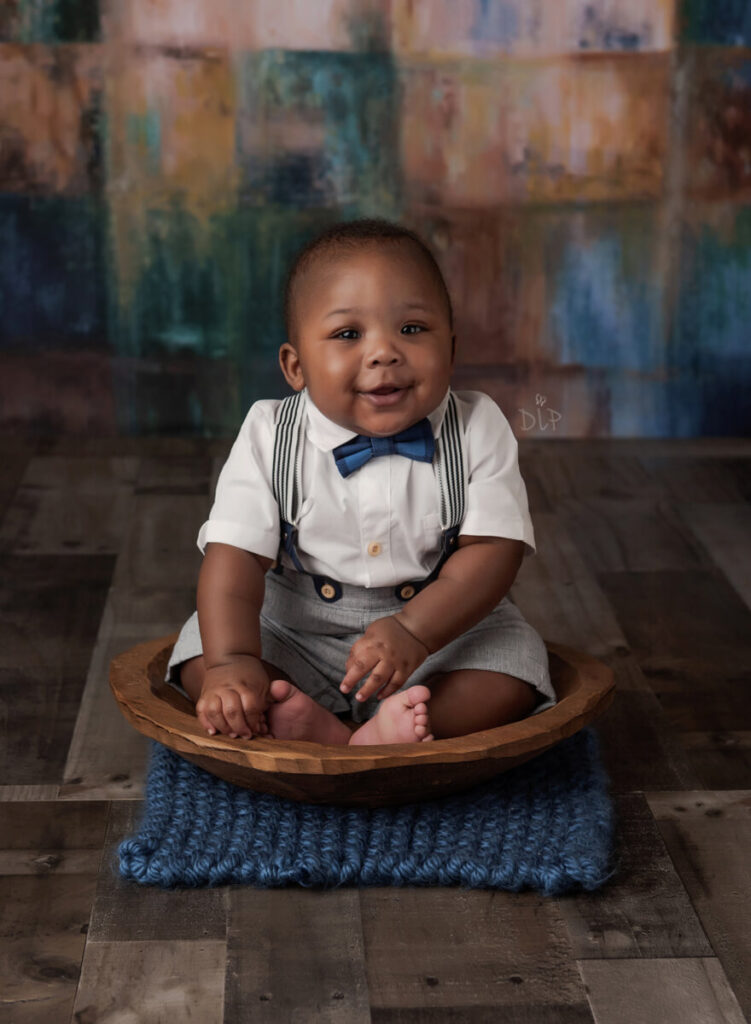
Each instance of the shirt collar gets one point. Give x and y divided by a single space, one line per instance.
326 435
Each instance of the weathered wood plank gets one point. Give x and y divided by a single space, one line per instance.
639 750
174 474
644 910
43 922
125 911
558 594
433 952
696 478
15 455
151 982
24 794
688 624
708 834
107 757
295 954
159 549
669 991
719 760
50 609
629 533
51 826
725 532
66 505
579 473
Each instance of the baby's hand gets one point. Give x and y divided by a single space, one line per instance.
234 698
391 651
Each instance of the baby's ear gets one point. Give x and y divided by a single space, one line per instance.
289 361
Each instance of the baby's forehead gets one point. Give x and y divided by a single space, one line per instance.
329 265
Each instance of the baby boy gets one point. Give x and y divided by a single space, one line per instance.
284 633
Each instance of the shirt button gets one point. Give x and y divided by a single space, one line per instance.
374 548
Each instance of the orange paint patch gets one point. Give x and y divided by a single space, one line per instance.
594 128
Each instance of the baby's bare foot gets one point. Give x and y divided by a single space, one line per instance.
296 716
401 718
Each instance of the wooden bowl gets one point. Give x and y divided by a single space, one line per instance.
364 775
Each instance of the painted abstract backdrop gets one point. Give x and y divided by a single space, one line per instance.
581 168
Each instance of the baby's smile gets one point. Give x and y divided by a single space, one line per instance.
386 394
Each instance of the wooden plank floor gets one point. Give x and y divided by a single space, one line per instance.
644 560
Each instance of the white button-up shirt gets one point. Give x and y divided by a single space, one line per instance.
379 526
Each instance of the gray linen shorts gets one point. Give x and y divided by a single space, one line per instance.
310 641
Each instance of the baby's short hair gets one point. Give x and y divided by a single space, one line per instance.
352 235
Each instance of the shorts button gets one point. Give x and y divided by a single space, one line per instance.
407 591
327 590
374 548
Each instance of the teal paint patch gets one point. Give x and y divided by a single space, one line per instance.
711 336
715 21
318 129
144 131
54 21
177 298
606 306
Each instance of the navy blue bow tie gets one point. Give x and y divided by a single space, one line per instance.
416 442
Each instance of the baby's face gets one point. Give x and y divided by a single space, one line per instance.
367 320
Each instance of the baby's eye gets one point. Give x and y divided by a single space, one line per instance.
412 328
348 334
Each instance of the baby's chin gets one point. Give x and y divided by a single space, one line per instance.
380 420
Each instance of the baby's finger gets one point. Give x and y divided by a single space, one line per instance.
253 715
379 677
211 717
359 666
395 683
233 714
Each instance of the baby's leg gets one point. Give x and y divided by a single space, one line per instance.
293 715
470 700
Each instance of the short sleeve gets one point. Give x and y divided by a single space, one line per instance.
245 512
496 504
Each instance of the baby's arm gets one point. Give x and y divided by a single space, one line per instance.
235 691
470 584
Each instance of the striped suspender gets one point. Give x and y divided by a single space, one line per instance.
287 465
449 462
450 465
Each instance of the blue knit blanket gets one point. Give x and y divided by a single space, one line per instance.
546 825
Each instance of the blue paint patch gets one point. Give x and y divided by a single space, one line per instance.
643 406
596 32
52 273
496 22
604 314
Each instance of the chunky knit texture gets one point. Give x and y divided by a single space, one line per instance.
546 825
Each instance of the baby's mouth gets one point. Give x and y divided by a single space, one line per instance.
386 395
